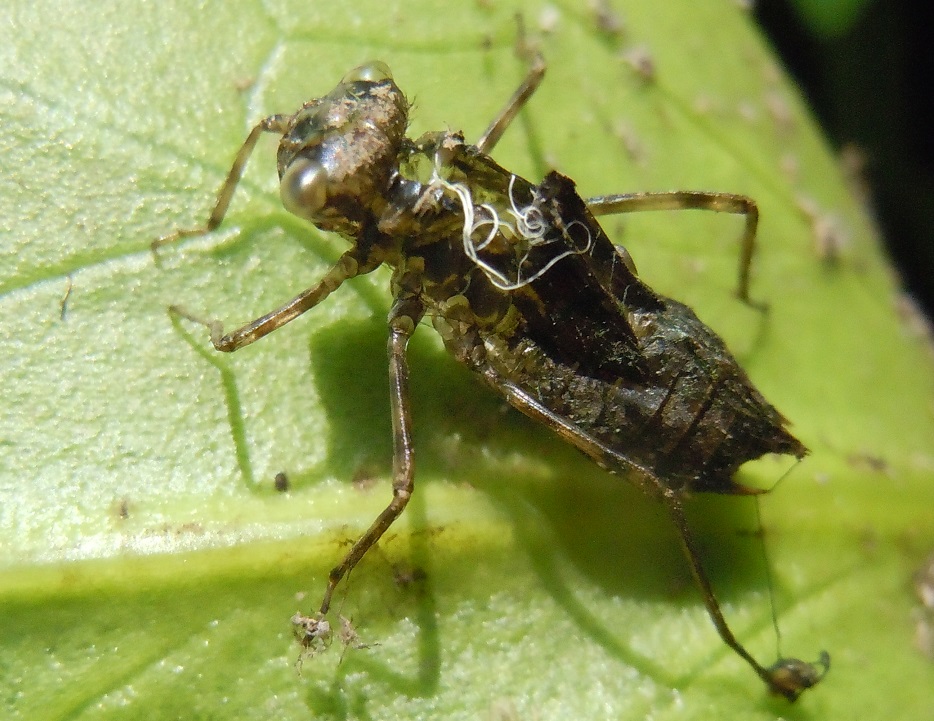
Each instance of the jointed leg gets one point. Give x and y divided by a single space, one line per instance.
710 601
519 98
688 200
272 124
788 677
403 319
346 267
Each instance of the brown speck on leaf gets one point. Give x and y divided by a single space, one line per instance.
827 232
631 143
639 58
869 541
780 112
704 104
772 73
747 111
63 303
914 319
241 85
405 575
608 20
924 616
923 461
789 166
924 583
503 709
870 462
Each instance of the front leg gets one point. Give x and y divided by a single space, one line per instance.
404 316
273 124
346 267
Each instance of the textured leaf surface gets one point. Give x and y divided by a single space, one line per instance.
147 566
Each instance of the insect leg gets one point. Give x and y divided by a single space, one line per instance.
688 200
603 455
346 267
272 124
519 98
675 510
403 318
788 677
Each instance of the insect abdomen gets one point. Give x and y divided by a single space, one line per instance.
692 419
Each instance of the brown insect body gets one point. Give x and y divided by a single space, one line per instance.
526 289
637 372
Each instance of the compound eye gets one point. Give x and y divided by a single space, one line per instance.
373 72
303 187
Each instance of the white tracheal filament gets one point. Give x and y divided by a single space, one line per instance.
525 223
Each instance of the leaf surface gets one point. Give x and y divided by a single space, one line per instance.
148 568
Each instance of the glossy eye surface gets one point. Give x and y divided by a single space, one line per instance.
373 72
303 187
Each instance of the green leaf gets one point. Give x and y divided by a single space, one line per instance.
149 569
